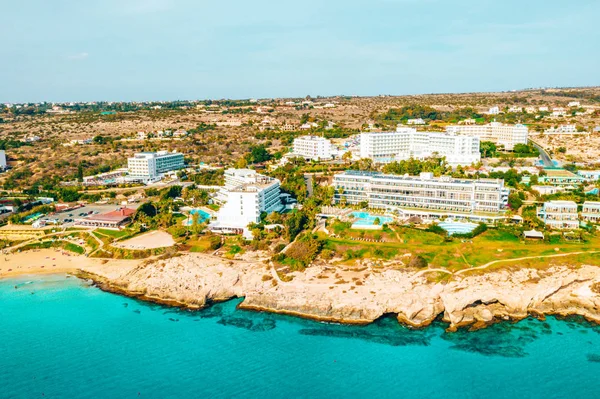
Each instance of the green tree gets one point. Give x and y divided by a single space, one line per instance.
80 172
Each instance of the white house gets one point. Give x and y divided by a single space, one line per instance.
574 104
245 196
417 121
493 111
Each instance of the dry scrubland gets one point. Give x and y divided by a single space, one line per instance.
49 158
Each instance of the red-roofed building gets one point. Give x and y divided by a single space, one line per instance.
111 220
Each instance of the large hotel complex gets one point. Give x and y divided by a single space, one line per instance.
406 142
506 135
244 197
392 192
312 147
150 166
459 145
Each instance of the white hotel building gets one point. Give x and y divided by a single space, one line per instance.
506 135
147 167
559 214
460 197
591 211
406 142
245 196
312 147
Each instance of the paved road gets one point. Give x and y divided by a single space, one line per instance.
308 178
543 154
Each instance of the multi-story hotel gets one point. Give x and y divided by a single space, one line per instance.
150 166
391 192
245 196
591 211
405 143
312 147
559 214
506 135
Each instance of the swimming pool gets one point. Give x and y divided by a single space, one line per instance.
202 217
366 219
457 227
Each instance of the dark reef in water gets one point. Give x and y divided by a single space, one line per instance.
385 331
593 358
502 339
264 324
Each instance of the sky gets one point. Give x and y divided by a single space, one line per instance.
145 50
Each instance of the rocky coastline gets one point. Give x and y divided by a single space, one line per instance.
362 295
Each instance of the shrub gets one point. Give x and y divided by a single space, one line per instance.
305 250
418 262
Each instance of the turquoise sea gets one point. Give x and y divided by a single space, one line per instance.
62 338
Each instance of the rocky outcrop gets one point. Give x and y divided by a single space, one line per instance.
362 296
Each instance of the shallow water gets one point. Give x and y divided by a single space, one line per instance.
61 338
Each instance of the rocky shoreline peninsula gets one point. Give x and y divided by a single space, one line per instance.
360 296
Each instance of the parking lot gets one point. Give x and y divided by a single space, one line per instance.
67 218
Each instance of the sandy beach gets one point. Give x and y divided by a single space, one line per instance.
151 240
46 261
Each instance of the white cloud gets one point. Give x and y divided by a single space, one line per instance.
78 56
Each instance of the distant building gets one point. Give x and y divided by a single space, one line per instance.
312 147
590 175
494 111
560 177
515 109
591 211
245 196
558 111
563 130
543 109
559 214
547 190
288 127
506 135
418 121
308 125
148 167
3 164
180 133
574 104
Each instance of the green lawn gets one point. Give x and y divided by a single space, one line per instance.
113 233
495 244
